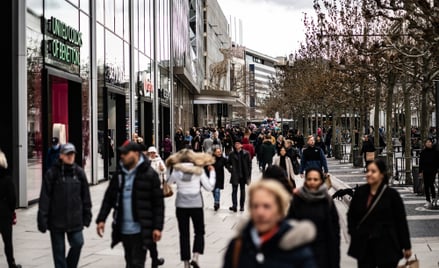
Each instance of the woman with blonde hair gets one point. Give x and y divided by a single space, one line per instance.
267 239
7 210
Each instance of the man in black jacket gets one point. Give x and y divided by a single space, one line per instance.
65 207
239 164
136 197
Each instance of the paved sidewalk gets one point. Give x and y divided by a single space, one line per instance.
33 250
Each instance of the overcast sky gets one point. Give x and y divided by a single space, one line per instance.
272 27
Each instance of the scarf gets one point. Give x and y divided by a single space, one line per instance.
313 196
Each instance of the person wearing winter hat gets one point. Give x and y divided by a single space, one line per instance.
65 188
7 209
312 202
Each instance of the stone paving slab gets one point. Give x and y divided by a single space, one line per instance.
33 250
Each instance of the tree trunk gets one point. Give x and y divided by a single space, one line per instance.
424 126
389 108
376 116
407 123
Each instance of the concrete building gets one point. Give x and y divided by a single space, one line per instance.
93 73
260 68
212 104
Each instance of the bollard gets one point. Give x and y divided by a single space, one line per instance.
357 157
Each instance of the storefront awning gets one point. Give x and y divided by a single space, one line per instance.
185 77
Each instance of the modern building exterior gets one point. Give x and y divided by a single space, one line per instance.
212 104
261 68
93 73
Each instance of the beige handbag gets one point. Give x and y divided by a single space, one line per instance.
370 156
167 189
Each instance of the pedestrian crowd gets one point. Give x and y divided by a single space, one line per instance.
287 225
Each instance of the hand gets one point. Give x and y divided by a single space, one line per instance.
407 253
162 168
302 176
100 229
156 235
210 168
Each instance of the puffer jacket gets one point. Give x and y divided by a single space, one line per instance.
64 204
288 248
147 203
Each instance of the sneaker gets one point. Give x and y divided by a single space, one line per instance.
428 205
233 209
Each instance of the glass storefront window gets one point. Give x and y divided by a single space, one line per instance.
119 18
36 6
109 14
86 104
34 114
126 20
85 6
63 11
142 25
100 11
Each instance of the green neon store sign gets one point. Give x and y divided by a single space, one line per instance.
66 42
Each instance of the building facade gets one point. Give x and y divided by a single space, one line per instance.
212 105
93 73
260 69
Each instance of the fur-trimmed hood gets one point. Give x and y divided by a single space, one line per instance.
300 233
189 168
199 159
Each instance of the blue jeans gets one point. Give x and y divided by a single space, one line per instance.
216 195
76 241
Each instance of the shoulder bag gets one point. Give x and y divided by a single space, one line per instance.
167 189
372 206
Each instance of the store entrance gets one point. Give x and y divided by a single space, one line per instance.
145 122
116 128
64 120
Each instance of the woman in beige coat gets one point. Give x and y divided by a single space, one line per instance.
283 161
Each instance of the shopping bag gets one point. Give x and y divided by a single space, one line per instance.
328 181
370 156
410 263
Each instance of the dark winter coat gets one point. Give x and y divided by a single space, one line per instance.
321 145
8 198
167 145
367 147
324 215
220 165
64 204
179 141
313 157
288 248
147 203
233 165
385 233
268 150
429 161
